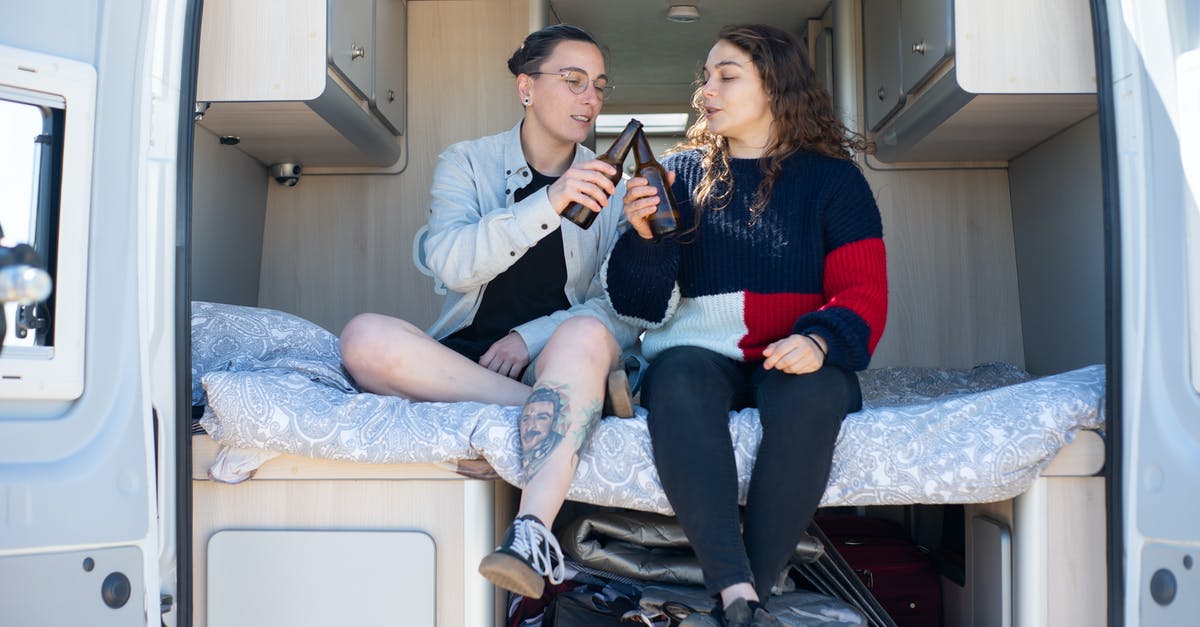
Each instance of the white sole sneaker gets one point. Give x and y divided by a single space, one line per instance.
512 574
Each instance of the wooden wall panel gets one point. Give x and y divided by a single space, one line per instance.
339 245
952 273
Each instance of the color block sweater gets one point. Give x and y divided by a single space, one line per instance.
814 262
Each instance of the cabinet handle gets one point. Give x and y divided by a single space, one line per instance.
882 93
357 52
919 47
391 95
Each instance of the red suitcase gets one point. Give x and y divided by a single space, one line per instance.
897 572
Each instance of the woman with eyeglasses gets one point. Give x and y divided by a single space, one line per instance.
773 299
523 289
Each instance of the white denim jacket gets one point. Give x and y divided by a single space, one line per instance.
477 231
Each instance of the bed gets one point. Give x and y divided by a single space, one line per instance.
272 383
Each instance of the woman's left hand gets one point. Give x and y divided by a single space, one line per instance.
508 356
795 354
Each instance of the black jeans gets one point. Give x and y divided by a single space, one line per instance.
689 392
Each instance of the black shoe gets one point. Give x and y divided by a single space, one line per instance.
743 613
528 554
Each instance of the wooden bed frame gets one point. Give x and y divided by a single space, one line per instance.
1057 550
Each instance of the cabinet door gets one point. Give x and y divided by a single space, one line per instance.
926 37
883 92
351 41
391 60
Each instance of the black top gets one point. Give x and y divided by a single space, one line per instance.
532 287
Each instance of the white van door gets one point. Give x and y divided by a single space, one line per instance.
1154 81
89 135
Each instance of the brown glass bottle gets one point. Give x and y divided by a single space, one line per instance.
614 156
665 219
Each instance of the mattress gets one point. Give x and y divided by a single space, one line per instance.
273 383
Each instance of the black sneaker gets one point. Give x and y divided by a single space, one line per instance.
743 613
527 554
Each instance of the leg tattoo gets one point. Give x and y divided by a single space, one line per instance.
583 434
543 426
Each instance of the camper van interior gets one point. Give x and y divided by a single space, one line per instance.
319 123
208 191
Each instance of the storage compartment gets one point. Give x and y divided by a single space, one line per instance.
366 543
319 578
978 80
313 82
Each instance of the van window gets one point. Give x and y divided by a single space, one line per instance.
47 131
30 159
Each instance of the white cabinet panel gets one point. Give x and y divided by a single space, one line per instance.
269 50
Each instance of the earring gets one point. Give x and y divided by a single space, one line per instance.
526 101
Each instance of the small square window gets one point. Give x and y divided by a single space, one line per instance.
47 124
30 158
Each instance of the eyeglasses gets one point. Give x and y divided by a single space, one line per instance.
577 82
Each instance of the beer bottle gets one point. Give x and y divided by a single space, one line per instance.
665 219
615 156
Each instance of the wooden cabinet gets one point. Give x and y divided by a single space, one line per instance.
974 80
464 518
313 82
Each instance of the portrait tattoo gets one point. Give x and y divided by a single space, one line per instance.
543 425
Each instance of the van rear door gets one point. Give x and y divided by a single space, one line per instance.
89 121
1153 87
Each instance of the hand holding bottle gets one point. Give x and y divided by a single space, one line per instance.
581 213
588 184
665 220
641 202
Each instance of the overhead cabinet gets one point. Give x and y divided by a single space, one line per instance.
974 80
314 82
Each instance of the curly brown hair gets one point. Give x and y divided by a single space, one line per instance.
801 107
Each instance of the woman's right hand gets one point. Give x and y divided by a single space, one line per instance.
587 184
641 201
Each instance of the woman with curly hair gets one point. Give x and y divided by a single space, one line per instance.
773 298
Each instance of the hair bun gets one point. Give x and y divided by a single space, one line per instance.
540 44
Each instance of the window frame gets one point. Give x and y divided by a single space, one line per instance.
56 372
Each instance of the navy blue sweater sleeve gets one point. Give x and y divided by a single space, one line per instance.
639 278
854 284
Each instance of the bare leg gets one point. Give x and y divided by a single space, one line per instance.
391 356
556 421
563 408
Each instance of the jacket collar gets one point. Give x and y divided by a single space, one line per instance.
517 172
